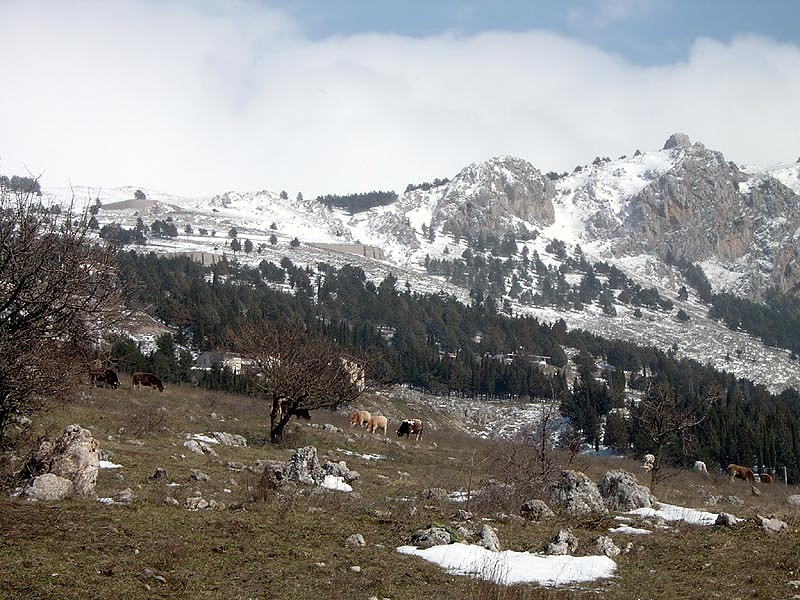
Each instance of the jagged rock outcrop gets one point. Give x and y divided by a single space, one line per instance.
493 196
622 491
576 495
73 456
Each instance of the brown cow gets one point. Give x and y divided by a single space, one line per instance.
410 427
740 472
147 379
767 478
378 422
360 418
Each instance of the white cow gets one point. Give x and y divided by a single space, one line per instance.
700 467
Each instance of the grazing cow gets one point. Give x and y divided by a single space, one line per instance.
148 380
700 467
299 413
377 422
410 427
740 472
360 418
767 478
104 377
649 461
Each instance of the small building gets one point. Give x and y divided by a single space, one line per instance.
221 358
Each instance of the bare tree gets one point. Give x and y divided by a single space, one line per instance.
58 290
665 421
298 370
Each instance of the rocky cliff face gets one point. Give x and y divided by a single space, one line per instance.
706 208
496 197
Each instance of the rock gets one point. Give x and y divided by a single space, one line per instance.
755 491
196 503
304 466
355 569
199 447
489 539
125 496
198 475
563 543
236 466
332 428
355 541
576 495
437 494
339 469
725 520
433 536
535 510
73 456
794 500
772 525
506 518
461 515
230 439
677 140
171 501
49 487
621 491
159 474
604 545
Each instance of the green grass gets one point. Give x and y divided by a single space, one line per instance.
294 547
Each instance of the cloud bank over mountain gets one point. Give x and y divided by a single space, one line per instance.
202 98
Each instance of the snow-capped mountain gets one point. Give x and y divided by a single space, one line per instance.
640 213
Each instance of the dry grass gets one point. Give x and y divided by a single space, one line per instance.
294 547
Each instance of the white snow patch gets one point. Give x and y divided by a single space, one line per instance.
510 567
670 512
107 464
629 530
336 483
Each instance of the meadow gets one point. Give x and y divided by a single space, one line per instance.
257 543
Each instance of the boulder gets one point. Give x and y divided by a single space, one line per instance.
621 491
304 466
433 536
73 456
489 539
604 545
49 487
563 543
677 140
230 439
771 524
355 541
199 447
576 495
535 510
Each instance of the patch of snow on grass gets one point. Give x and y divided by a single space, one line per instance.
510 567
333 482
670 512
107 464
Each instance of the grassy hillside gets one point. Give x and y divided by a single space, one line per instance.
257 544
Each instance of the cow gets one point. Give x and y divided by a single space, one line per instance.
104 377
700 468
767 478
377 422
649 461
740 472
410 427
148 380
299 413
360 418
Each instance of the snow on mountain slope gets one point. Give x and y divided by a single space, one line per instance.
588 207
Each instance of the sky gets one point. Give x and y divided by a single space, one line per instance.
345 96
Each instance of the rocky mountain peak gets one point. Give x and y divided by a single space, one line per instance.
677 140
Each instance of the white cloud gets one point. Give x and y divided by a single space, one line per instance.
199 99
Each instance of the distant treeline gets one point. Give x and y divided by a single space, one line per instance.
354 203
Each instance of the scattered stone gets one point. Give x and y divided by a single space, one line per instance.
576 495
461 515
159 473
506 518
606 546
149 573
563 543
772 525
436 494
355 569
332 428
125 496
726 520
196 503
755 491
49 487
199 448
230 439
198 475
339 469
489 539
236 466
433 536
623 492
794 500
355 541
171 501
535 510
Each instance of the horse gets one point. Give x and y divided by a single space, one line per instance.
740 472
